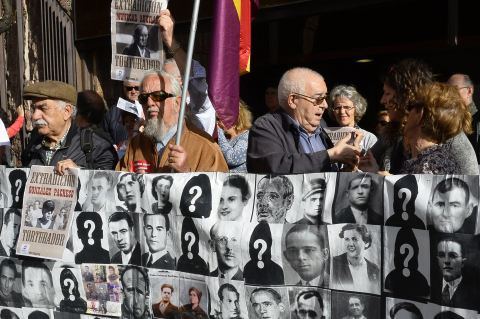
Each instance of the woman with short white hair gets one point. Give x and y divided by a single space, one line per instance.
347 107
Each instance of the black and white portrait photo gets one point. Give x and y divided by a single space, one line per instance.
453 205
356 252
227 299
10 283
267 302
68 284
407 262
165 293
306 256
124 236
194 297
17 179
359 199
355 306
90 239
313 202
400 309
235 202
442 312
38 289
194 247
158 247
9 231
112 273
262 254
454 271
226 253
87 272
404 200
309 303
160 191
37 313
84 176
100 188
10 313
138 40
3 188
130 190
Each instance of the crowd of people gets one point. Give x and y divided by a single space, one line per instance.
427 127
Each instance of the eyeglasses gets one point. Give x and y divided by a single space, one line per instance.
129 88
157 96
345 107
382 123
416 105
318 100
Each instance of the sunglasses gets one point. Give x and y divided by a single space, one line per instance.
416 105
129 88
157 96
382 123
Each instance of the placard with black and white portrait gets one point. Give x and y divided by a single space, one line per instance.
407 261
443 312
275 197
139 40
404 200
11 313
453 204
454 270
165 287
356 257
306 255
191 242
135 287
10 227
90 238
310 302
227 299
261 254
130 193
158 190
225 258
17 178
101 189
267 302
402 308
11 283
38 290
194 296
233 196
350 305
37 313
359 199
67 280
124 237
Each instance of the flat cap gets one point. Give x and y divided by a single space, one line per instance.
48 205
315 186
53 90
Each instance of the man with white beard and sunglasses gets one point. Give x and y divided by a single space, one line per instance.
155 151
56 139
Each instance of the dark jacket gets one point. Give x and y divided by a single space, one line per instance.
274 147
238 275
165 262
158 314
132 49
466 296
135 259
111 125
342 274
474 138
345 216
104 155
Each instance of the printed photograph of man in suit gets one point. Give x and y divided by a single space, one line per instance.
455 289
225 243
157 231
138 47
309 305
307 253
164 306
122 229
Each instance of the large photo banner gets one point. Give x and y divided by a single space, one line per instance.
48 206
136 39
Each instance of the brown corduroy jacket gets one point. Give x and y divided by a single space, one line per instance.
204 155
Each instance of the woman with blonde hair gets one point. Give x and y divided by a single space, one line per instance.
234 141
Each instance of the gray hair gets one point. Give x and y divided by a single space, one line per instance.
177 74
350 93
466 80
293 84
61 106
175 87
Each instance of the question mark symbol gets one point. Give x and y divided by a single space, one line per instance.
70 284
189 236
198 192
18 184
408 195
263 245
90 231
406 271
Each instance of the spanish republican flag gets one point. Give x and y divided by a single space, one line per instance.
230 48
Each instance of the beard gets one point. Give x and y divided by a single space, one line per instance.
156 128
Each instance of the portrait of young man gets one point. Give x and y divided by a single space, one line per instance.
8 274
38 290
162 308
122 231
157 231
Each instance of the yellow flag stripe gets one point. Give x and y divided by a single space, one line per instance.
238 6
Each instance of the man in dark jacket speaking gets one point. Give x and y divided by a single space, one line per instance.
57 141
291 140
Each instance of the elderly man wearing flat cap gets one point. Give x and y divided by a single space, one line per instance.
312 201
56 139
